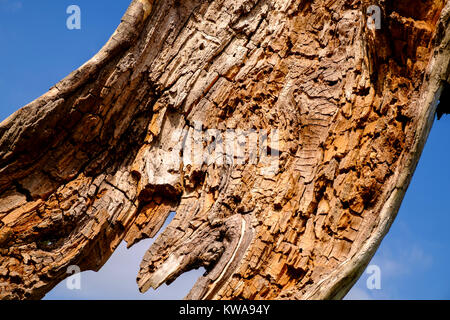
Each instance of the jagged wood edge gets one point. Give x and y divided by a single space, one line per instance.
338 284
124 36
348 272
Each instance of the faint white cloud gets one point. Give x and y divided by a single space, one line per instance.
402 261
10 6
358 294
398 263
418 255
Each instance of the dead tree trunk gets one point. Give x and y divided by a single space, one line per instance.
103 157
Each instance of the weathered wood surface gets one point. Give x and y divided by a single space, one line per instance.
97 159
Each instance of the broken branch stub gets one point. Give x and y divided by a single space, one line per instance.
282 133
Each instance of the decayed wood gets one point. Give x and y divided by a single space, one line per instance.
102 156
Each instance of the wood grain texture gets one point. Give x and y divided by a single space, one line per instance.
102 156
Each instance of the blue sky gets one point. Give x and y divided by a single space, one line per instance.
38 51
